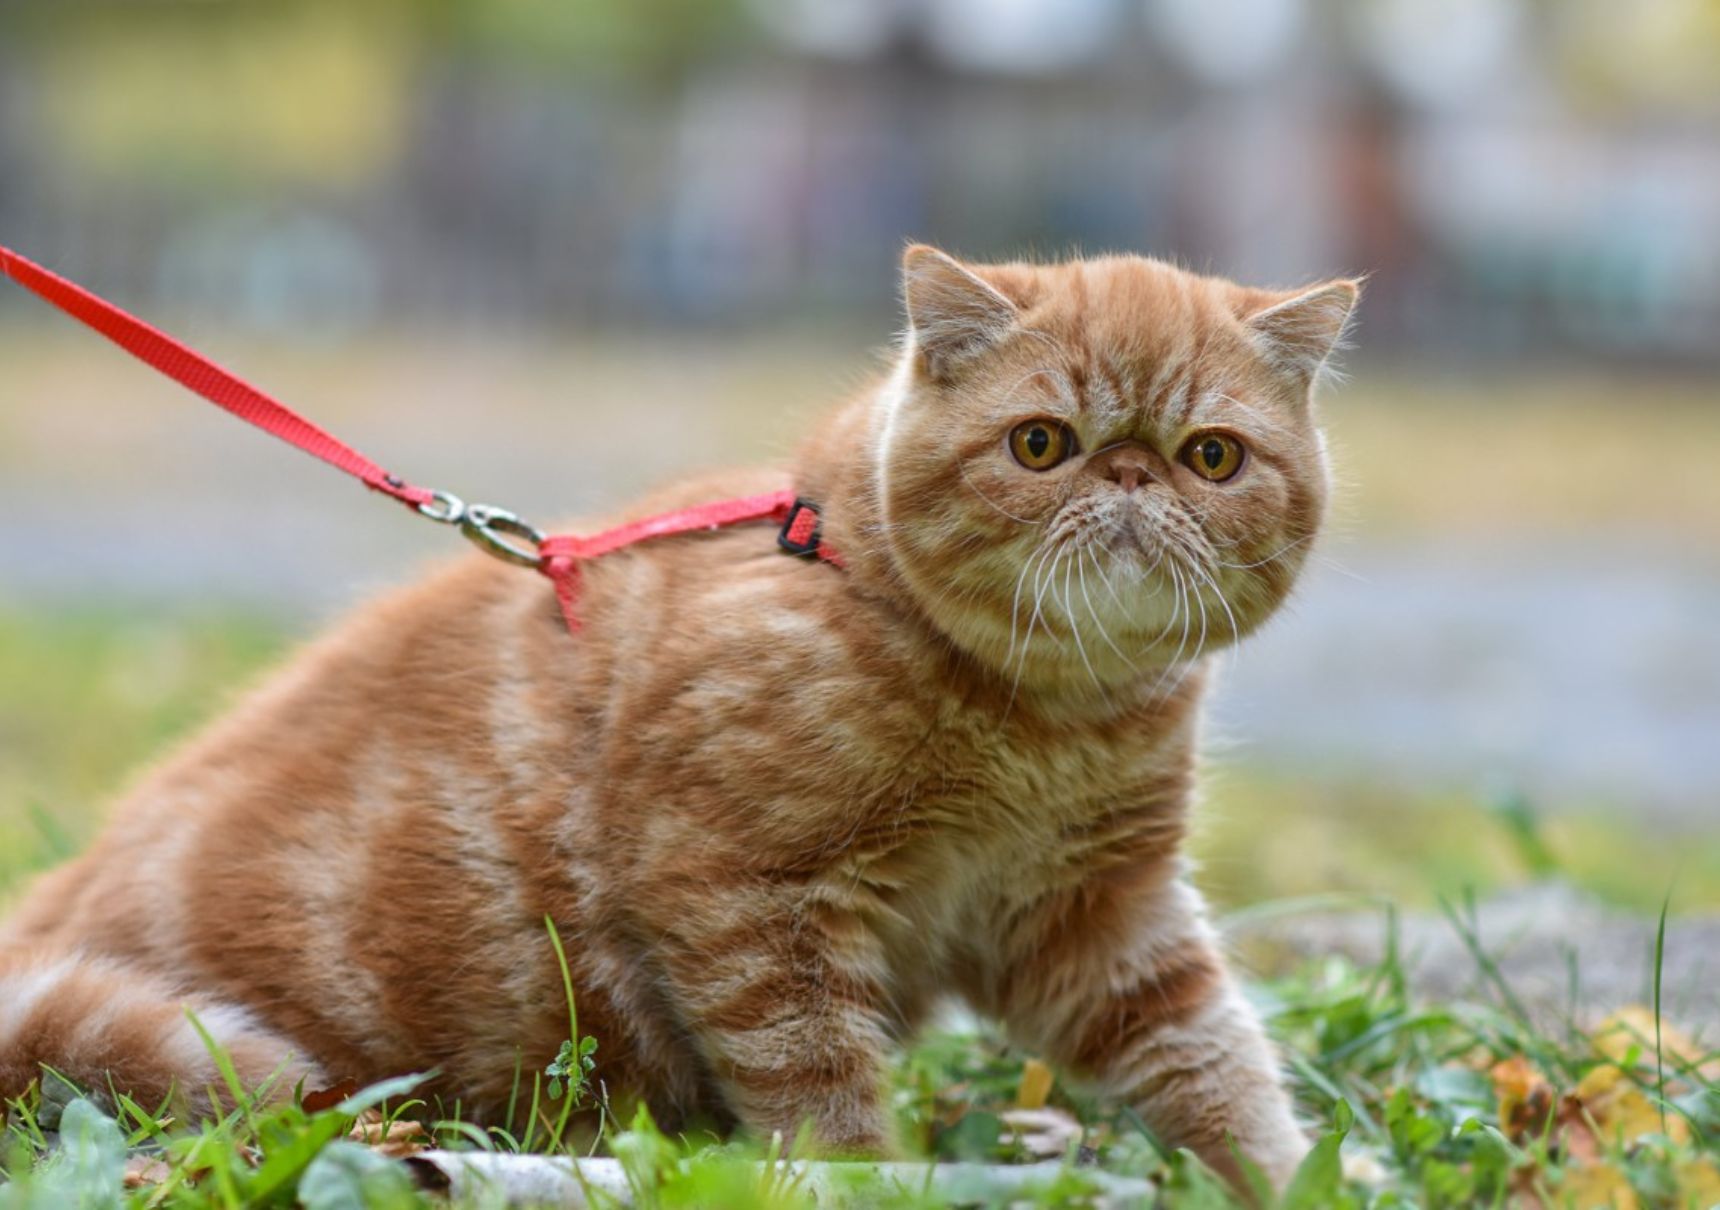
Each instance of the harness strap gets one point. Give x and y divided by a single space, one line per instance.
563 553
497 531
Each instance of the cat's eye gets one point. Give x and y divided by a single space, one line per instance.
1213 456
1040 445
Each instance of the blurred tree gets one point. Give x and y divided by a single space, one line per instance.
313 91
1650 53
646 38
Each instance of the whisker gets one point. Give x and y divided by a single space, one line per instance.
1188 618
1161 635
1235 630
1256 415
1047 371
1331 564
1271 558
1075 629
1032 621
1200 600
1111 588
1181 608
1038 555
1081 566
1039 600
961 468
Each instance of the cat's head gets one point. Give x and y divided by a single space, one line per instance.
1093 470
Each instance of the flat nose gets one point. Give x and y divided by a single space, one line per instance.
1130 467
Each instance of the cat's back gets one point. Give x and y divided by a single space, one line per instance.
454 734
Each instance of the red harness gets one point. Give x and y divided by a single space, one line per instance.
495 530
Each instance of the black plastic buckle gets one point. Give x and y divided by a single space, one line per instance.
785 535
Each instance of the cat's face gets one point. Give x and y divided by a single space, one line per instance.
1095 470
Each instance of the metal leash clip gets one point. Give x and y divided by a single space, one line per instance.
495 531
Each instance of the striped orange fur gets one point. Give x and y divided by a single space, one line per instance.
775 809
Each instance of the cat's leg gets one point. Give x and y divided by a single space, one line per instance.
1126 989
784 999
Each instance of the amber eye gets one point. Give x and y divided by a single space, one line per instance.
1214 456
1040 445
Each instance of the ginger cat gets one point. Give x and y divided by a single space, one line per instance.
776 808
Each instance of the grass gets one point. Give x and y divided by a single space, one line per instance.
1420 1105
1426 1105
86 698
1478 458
1271 834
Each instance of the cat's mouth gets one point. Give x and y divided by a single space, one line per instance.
1132 538
1124 544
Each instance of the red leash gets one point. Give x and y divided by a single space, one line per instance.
495 530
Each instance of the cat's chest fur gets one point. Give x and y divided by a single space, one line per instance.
772 724
1001 812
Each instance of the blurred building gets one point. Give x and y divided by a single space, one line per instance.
1531 178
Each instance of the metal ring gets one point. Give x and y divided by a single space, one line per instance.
491 530
451 512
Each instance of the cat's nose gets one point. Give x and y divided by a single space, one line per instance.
1130 468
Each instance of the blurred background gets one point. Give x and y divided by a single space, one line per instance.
547 254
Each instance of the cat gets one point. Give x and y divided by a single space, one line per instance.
777 808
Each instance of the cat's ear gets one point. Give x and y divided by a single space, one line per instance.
953 313
1297 334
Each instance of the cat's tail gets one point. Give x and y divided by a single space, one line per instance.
109 1029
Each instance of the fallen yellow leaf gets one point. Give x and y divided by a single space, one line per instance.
1621 1110
1698 1183
1633 1025
1035 1085
1525 1097
1596 1187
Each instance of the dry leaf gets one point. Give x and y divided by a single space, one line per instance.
1608 1106
1596 1185
145 1170
1633 1026
1577 1139
396 1140
1043 1133
1699 1183
1035 1086
1526 1099
328 1098
1621 1110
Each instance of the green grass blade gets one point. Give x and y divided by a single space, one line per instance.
1659 968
